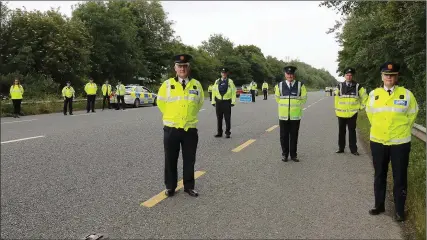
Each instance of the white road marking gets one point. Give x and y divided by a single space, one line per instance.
304 108
81 114
22 139
29 120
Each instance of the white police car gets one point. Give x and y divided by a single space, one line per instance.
136 95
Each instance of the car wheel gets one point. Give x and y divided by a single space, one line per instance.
155 102
136 104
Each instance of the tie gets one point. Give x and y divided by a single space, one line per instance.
183 84
389 92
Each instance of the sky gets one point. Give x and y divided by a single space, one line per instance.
282 29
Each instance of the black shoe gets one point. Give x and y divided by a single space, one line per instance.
17 116
65 113
191 192
284 158
339 151
218 135
377 210
227 136
355 153
169 192
71 113
93 111
295 159
88 111
399 217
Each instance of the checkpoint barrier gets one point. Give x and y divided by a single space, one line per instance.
245 98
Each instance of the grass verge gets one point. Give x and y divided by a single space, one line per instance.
415 226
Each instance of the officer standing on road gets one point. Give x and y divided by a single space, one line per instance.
265 89
120 94
291 95
223 98
90 90
253 87
180 100
395 108
350 97
210 91
16 94
106 92
68 94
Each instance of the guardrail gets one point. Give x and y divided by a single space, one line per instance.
419 132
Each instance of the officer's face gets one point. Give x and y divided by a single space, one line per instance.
289 76
106 82
223 74
389 79
182 70
348 76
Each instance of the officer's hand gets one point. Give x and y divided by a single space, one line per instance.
213 104
232 105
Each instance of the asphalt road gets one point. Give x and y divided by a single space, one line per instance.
89 173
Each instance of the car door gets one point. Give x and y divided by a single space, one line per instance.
148 95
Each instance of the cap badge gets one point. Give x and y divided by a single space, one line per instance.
390 67
182 58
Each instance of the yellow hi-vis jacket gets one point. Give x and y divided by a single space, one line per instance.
230 94
290 101
16 91
180 106
348 101
106 89
210 88
253 86
91 88
265 86
68 92
391 116
120 90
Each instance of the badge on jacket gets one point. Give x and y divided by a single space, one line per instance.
195 92
400 102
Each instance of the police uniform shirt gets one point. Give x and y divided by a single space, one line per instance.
186 80
290 84
387 90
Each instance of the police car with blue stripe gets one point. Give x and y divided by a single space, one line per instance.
136 95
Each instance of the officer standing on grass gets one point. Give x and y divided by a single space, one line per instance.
180 100
265 89
392 111
68 94
291 95
106 92
223 98
350 97
90 90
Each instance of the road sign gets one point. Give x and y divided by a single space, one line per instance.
244 98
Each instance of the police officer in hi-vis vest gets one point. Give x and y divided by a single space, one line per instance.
350 97
90 90
68 94
391 110
265 89
210 91
223 98
106 92
180 100
291 95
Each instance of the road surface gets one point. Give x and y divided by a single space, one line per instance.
71 176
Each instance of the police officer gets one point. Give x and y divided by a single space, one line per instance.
68 94
223 98
350 97
16 94
253 86
120 94
291 95
90 90
106 92
180 100
265 89
395 108
210 91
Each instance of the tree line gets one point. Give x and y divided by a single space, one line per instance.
131 41
373 32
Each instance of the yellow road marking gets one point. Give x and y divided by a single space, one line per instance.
247 143
272 128
162 196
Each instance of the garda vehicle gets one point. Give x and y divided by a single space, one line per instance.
136 96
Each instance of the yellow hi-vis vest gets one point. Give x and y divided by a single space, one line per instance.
120 90
265 86
210 88
180 106
254 86
16 91
348 101
391 116
106 89
91 88
230 94
290 101
68 92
